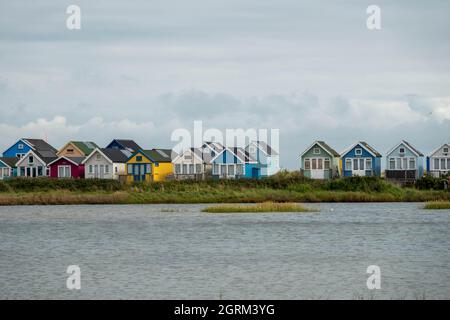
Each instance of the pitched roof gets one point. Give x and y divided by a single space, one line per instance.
46 155
265 148
412 148
408 145
364 145
328 148
74 160
115 155
160 155
216 146
10 161
85 146
128 144
438 148
39 144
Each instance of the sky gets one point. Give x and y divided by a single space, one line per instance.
142 69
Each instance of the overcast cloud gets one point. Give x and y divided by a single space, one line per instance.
141 69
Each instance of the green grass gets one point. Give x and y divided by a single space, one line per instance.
281 188
437 205
260 207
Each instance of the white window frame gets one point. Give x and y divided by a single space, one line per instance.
66 169
358 151
177 168
316 150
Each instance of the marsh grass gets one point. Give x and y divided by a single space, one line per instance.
437 205
260 207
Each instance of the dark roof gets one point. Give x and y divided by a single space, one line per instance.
267 149
128 144
160 155
328 148
39 144
85 146
47 156
115 155
77 160
216 146
10 161
366 145
241 153
412 148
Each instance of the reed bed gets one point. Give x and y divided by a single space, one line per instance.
260 207
437 205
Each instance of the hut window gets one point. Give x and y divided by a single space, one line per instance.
442 164
445 150
198 168
185 169
436 164
307 164
149 168
106 168
178 168
98 156
392 164
348 164
239 169
448 164
20 146
358 151
130 169
30 159
412 163
139 158
216 169
314 164
327 163
368 164
90 168
316 151
399 163
402 150
231 170
69 150
404 163
191 169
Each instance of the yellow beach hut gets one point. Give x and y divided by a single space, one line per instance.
149 165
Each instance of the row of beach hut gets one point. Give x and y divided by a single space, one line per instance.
125 160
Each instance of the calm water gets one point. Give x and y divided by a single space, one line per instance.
140 252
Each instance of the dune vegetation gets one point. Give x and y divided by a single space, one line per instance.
284 187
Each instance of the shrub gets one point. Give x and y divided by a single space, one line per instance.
430 183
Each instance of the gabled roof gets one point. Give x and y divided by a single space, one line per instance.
85 146
239 152
214 146
127 144
197 152
161 155
39 144
45 156
9 161
409 146
363 144
75 160
438 148
324 146
113 155
264 147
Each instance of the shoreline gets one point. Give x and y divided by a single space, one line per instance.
252 196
